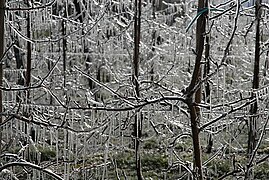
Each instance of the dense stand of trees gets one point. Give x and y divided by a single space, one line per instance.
168 89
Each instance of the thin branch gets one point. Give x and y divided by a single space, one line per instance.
2 58
34 166
38 85
105 86
229 174
225 114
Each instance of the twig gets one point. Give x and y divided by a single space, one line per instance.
225 114
34 166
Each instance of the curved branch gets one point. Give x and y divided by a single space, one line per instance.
34 166
225 114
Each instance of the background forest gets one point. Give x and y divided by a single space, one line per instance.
134 89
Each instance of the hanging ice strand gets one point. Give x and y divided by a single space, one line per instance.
65 152
106 149
72 142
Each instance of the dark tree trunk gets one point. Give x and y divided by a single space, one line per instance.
153 41
137 22
207 69
29 54
190 100
138 119
19 61
64 46
255 83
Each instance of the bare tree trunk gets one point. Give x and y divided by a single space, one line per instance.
207 68
19 62
137 23
138 119
29 54
255 83
19 59
28 73
64 51
153 41
2 45
17 54
196 76
28 64
252 126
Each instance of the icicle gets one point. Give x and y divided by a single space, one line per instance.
68 170
218 83
105 161
66 175
113 124
84 155
121 129
76 158
72 141
51 138
57 149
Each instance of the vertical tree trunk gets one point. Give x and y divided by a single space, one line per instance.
17 54
19 61
2 45
138 119
18 58
196 76
207 69
255 83
153 41
29 54
137 23
28 72
64 51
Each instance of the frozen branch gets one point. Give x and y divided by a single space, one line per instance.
28 164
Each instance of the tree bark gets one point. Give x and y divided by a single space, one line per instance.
153 41
64 45
19 61
137 23
138 119
29 54
190 100
207 69
255 83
